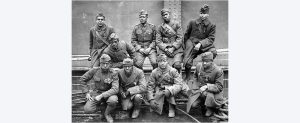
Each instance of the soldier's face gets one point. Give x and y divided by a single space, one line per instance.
100 21
166 16
162 64
115 43
128 68
206 64
203 16
143 18
105 65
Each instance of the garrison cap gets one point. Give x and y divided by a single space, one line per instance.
143 12
164 11
127 61
161 57
207 56
105 58
204 9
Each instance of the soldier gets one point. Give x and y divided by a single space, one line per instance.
105 87
143 39
118 51
132 85
166 82
207 90
99 39
169 40
198 38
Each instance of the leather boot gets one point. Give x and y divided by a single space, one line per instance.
171 110
137 104
107 113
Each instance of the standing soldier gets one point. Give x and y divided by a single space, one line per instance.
164 83
143 39
169 40
199 38
99 39
118 51
105 87
132 85
207 90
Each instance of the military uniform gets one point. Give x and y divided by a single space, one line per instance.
160 80
212 77
99 40
198 31
167 36
143 36
123 51
103 83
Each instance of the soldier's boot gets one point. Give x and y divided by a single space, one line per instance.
137 105
107 113
171 110
209 112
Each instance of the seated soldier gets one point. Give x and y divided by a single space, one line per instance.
207 90
132 85
164 83
105 87
118 51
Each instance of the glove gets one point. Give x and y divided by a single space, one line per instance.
147 51
168 53
99 97
197 47
89 97
142 50
153 104
171 50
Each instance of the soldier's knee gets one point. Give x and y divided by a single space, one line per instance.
138 98
112 100
177 65
89 109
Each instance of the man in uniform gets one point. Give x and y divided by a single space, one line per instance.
198 38
164 83
132 85
169 40
143 39
99 39
104 87
207 90
118 51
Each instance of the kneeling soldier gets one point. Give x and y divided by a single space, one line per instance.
208 88
165 82
105 87
132 85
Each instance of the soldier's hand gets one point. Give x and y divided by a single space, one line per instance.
147 51
123 95
88 97
171 50
153 104
197 47
203 88
127 93
167 93
142 50
99 97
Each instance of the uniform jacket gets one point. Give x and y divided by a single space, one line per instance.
166 38
201 31
124 50
96 41
143 36
135 83
105 83
213 78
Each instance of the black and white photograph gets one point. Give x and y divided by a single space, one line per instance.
150 61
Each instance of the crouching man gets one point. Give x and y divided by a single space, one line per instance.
207 90
105 86
132 85
165 82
